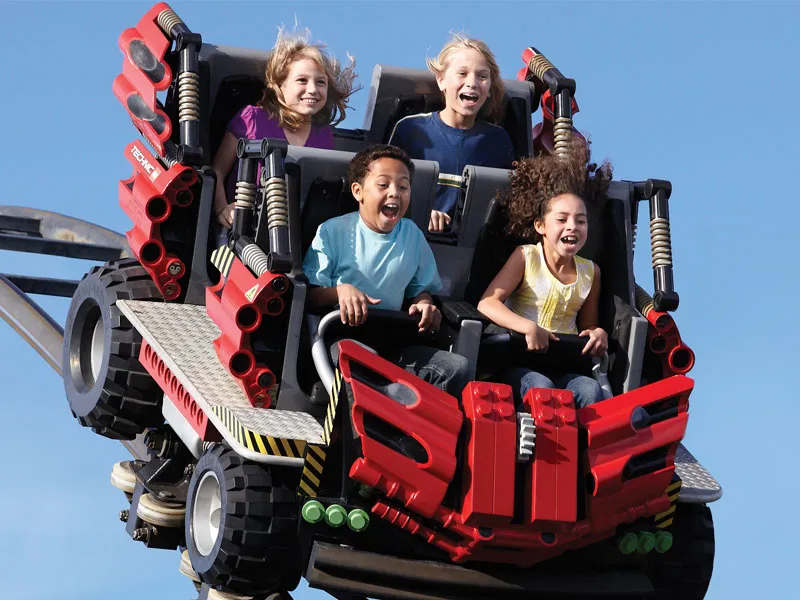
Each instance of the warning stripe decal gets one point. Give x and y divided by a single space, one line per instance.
256 442
664 519
315 455
222 258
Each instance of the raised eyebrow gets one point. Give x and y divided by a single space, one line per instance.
566 214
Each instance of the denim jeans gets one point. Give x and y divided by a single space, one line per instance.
443 369
585 390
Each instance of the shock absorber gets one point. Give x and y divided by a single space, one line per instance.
272 230
188 44
562 89
245 196
665 297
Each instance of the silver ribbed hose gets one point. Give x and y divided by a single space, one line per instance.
660 242
277 203
644 301
255 259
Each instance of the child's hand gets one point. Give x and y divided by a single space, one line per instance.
598 341
353 304
225 216
431 317
538 338
439 221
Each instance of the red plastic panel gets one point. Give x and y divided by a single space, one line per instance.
615 441
148 198
434 421
134 88
664 339
238 305
173 388
490 455
554 469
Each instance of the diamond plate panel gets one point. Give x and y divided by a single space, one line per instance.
182 335
698 484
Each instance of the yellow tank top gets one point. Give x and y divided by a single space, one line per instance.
543 299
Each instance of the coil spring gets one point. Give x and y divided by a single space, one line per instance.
167 19
188 97
634 227
644 301
245 194
660 242
254 257
277 204
539 65
562 136
170 153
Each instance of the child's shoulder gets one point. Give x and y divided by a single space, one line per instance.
413 122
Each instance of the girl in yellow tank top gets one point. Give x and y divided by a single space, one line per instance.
545 288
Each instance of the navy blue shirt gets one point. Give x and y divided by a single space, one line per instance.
427 137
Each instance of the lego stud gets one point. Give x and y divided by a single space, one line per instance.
175 268
485 409
545 414
567 416
663 541
628 543
647 541
358 520
313 511
335 515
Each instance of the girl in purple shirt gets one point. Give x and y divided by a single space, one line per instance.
305 94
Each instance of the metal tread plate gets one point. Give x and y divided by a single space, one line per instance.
182 335
698 485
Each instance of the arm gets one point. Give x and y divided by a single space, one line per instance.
222 164
588 318
431 316
492 303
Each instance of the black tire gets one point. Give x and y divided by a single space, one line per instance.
685 570
107 388
254 549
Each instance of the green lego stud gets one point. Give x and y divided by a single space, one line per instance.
663 541
358 520
628 543
313 511
335 515
647 541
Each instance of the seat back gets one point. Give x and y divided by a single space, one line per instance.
397 92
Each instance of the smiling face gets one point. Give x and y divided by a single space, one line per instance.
384 194
465 83
564 227
305 89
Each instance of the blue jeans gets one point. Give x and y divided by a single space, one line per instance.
443 369
584 389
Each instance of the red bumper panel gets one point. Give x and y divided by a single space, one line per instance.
148 198
491 454
238 305
434 421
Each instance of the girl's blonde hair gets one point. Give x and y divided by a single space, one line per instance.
493 108
290 48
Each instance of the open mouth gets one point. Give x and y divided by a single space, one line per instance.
469 97
569 240
309 101
390 210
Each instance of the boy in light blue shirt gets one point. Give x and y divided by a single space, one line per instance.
376 257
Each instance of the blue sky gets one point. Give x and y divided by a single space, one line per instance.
702 94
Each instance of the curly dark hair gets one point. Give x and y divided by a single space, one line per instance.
536 181
359 165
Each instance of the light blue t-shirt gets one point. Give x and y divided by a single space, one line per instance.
390 266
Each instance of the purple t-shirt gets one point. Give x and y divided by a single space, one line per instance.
254 124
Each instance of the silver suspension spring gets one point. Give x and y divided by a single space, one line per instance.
539 65
167 19
245 194
188 97
660 242
277 203
562 136
255 258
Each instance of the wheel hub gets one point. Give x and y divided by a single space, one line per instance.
206 513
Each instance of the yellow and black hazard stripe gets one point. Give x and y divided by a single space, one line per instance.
333 405
222 258
315 455
664 519
312 471
263 444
